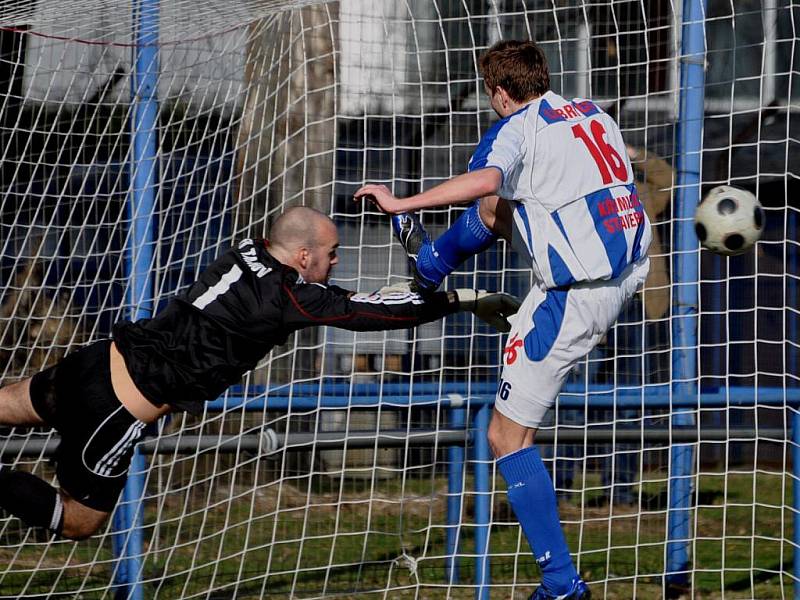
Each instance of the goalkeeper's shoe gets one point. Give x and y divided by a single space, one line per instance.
413 237
578 591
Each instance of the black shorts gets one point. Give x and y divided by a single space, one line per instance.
97 433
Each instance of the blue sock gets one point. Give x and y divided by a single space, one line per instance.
531 495
466 237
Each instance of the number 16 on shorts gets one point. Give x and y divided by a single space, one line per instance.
504 389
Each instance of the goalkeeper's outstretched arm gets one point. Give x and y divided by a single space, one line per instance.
395 307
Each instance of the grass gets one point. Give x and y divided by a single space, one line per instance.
315 538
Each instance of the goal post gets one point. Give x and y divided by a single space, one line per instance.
140 138
686 281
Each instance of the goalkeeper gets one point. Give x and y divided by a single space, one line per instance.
552 177
249 300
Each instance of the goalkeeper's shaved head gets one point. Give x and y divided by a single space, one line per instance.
306 240
299 227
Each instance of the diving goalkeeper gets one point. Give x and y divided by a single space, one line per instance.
101 397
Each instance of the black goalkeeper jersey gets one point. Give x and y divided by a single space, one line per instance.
244 304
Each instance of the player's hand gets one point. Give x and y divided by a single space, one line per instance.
381 197
494 308
398 287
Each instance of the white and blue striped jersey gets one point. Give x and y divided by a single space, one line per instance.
577 211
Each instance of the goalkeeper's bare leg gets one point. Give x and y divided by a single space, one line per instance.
29 497
80 398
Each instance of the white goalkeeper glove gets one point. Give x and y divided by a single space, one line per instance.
494 308
398 287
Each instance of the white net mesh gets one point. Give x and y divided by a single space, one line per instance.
260 108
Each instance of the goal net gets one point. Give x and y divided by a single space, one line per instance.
141 138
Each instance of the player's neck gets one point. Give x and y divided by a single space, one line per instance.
514 106
283 257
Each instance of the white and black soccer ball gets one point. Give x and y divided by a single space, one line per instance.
728 220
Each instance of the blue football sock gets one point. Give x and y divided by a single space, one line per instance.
531 495
466 237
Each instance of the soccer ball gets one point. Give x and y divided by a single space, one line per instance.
728 220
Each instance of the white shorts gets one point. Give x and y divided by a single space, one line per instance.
552 331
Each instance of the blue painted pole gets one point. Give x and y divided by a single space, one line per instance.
134 508
144 165
139 252
118 540
796 501
303 396
791 378
483 501
686 286
455 490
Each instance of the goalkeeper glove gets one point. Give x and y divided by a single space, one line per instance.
493 308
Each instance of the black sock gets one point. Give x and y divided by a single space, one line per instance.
26 496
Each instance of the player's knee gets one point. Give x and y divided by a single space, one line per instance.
506 436
77 531
498 441
16 407
81 522
495 444
497 215
487 209
501 447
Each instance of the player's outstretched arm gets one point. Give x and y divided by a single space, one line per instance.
395 307
493 308
462 188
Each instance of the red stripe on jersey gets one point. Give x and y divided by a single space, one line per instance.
341 317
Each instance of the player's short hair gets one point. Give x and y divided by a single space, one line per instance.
519 67
298 226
